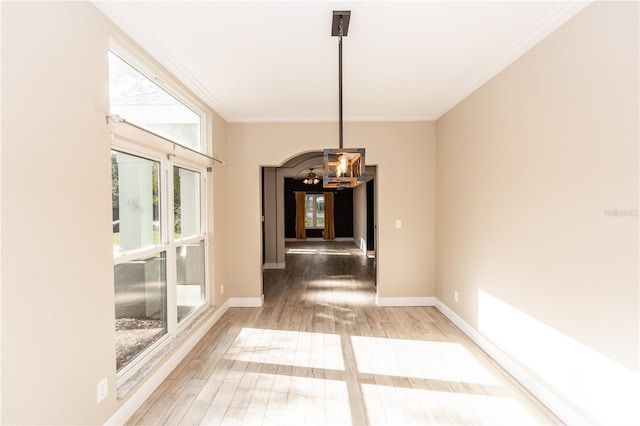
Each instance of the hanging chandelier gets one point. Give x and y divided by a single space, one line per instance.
343 167
311 179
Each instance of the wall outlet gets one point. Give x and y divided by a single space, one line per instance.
455 296
398 224
222 289
102 389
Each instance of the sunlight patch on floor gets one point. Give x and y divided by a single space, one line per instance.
387 404
450 362
294 348
341 297
292 400
330 252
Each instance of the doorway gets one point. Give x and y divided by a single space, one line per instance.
278 187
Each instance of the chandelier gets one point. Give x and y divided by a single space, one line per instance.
343 167
311 179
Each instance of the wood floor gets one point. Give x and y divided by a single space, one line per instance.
320 352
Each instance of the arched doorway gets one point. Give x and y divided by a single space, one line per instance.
355 209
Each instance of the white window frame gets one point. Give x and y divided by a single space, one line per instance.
147 68
315 212
167 244
189 240
137 141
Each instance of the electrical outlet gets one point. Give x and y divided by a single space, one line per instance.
102 389
398 224
222 289
455 296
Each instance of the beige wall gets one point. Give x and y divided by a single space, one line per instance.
218 253
360 216
405 256
57 280
529 169
56 256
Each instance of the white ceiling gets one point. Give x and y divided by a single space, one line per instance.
276 60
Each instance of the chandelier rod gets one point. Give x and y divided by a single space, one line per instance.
340 79
340 28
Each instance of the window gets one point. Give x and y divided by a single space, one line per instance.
159 228
159 252
139 268
314 211
187 231
142 102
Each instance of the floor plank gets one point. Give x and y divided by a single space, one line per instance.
321 352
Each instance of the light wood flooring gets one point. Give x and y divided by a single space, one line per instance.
320 352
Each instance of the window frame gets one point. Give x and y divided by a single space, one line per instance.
134 140
315 210
192 239
167 244
169 84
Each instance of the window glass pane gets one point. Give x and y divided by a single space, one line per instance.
314 211
186 203
141 307
190 278
308 214
140 101
135 202
320 211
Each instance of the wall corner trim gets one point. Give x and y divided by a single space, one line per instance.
405 301
537 389
246 302
151 384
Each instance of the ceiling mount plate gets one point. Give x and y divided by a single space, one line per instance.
335 24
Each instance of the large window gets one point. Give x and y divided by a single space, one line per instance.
314 211
140 101
159 251
159 230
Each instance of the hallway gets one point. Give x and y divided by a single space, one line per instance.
321 352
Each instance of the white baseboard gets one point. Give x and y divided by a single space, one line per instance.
293 240
151 384
539 390
405 301
274 266
246 302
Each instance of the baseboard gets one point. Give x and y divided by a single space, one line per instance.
296 240
540 391
132 404
274 266
405 301
246 302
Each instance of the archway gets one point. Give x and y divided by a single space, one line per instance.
355 211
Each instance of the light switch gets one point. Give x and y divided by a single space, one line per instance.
398 224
